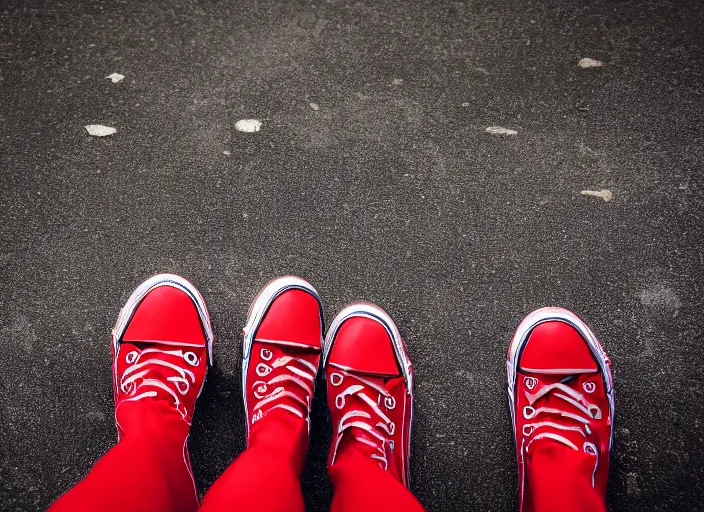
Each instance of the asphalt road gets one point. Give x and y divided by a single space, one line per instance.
374 177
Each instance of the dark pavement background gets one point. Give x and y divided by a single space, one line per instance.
391 191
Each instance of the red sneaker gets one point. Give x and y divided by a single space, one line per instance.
561 396
370 388
281 350
161 345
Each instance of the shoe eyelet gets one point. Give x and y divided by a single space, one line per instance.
527 429
259 389
390 402
131 357
191 358
589 387
336 379
589 448
183 390
528 412
530 382
263 370
594 411
266 354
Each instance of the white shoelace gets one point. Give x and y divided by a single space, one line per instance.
576 399
363 420
304 379
135 377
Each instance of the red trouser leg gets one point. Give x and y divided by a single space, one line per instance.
361 485
266 476
559 478
148 470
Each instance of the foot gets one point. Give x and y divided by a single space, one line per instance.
370 388
561 397
281 351
161 345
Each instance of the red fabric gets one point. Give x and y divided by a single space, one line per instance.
160 373
600 428
166 314
363 344
361 485
366 388
554 345
400 416
559 479
555 473
266 476
264 385
284 358
147 471
149 468
293 316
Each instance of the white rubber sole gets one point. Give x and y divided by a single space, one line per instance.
373 312
257 312
520 338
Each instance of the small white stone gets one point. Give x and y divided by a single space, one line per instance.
116 77
98 130
500 130
397 81
226 153
465 104
605 194
248 125
315 106
586 63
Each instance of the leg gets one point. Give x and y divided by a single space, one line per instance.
161 344
266 476
560 479
561 395
151 454
281 354
370 395
360 484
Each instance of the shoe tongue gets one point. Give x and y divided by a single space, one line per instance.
378 378
391 384
545 378
557 372
146 356
555 448
157 345
175 354
546 435
547 453
162 344
362 442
